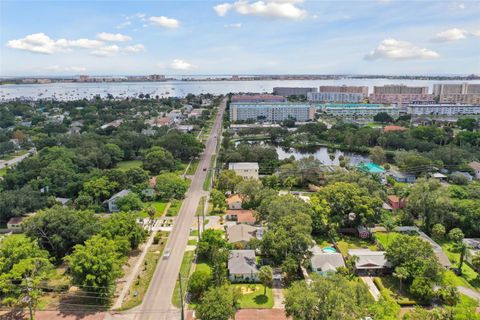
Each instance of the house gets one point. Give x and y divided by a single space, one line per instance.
185 128
475 165
112 206
242 233
439 176
234 202
473 248
324 263
395 202
370 262
15 224
63 201
242 216
196 113
402 176
242 266
113 124
246 170
467 175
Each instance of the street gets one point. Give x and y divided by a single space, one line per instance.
157 301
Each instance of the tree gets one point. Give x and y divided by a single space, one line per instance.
99 188
248 190
198 283
211 241
218 303
183 146
382 117
456 235
438 232
218 200
59 229
129 202
401 273
227 181
151 211
266 277
327 298
467 124
157 160
170 185
377 155
422 288
123 226
95 265
449 295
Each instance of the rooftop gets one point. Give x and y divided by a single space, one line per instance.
242 262
242 165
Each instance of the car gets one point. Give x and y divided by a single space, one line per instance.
166 254
204 169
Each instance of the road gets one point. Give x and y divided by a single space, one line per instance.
16 160
157 301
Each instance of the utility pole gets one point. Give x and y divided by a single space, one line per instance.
181 295
198 226
28 297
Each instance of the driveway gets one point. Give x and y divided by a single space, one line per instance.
371 287
469 292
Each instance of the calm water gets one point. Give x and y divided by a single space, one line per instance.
323 155
73 91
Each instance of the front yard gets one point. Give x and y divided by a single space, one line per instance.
469 277
252 296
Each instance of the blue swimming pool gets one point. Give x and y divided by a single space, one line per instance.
329 250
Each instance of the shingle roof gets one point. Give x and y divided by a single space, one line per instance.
327 261
243 216
368 259
240 232
242 262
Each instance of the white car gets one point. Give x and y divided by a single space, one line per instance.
166 254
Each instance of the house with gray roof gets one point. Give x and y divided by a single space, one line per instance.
112 206
370 262
243 233
242 266
324 263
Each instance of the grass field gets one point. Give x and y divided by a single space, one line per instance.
385 238
185 273
193 167
253 297
159 207
125 165
3 172
174 208
469 276
354 243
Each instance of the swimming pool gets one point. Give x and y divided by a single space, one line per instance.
329 250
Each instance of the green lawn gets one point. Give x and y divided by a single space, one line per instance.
193 167
392 286
158 205
125 165
185 273
469 276
174 208
3 172
385 238
347 243
253 297
203 267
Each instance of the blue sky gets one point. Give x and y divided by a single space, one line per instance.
239 37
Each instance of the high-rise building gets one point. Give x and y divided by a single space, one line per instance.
271 111
443 109
400 98
335 97
357 110
293 91
346 89
256 98
457 93
399 89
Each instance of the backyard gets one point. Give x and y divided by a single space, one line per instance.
252 296
347 243
125 165
469 277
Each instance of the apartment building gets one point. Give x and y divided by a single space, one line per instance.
293 91
466 93
271 112
357 110
345 89
400 98
443 109
399 89
346 97
255 98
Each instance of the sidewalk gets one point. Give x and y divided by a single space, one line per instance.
371 287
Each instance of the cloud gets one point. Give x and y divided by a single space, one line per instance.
124 24
476 33
164 22
41 43
233 25
107 51
399 50
135 48
450 35
287 9
179 64
114 37
57 68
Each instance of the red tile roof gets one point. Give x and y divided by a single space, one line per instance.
243 216
234 198
393 128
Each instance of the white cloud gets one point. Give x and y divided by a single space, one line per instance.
233 25
107 51
41 43
451 35
135 48
57 68
476 33
164 22
222 9
399 50
124 24
114 37
270 8
179 64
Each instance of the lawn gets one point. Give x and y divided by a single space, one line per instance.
392 286
347 243
185 273
253 297
469 277
174 208
193 167
3 172
125 165
385 238
158 205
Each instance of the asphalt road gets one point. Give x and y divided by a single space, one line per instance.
157 301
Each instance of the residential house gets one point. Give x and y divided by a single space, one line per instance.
113 124
242 216
473 248
395 202
370 262
15 224
112 206
439 176
234 202
185 128
475 165
404 177
467 175
242 266
246 170
241 234
324 263
196 113
63 201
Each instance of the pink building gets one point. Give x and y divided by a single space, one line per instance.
400 98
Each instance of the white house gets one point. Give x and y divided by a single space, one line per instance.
242 266
246 170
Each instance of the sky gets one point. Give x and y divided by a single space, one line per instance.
393 37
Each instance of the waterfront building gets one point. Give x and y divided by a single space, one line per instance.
271 112
335 97
399 89
400 98
357 110
461 88
293 91
255 98
345 89
443 109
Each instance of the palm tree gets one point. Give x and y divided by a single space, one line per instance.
463 251
401 274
